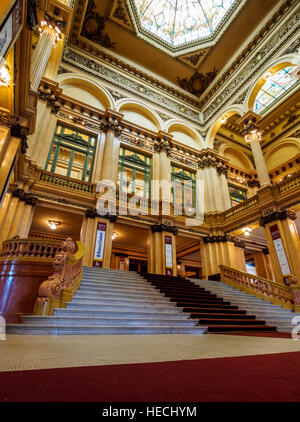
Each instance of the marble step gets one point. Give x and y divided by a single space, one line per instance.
116 295
121 314
120 291
101 321
94 330
92 300
124 307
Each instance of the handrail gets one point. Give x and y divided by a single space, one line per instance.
259 286
29 248
59 288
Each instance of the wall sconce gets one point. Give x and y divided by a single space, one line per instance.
114 235
247 231
223 119
53 224
5 76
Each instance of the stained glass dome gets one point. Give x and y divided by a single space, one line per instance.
275 87
179 22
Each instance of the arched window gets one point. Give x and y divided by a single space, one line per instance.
275 87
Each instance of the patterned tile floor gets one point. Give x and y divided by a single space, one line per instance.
37 352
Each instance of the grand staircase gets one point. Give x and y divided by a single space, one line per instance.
272 314
112 302
207 307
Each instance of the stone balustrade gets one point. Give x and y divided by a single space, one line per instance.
29 248
259 286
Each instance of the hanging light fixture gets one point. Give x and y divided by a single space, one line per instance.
247 231
53 224
114 235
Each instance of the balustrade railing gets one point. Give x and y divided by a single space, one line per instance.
29 248
267 289
289 183
66 182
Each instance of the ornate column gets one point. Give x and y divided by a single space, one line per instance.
112 129
216 193
51 29
253 136
222 250
47 107
284 245
16 214
163 146
162 249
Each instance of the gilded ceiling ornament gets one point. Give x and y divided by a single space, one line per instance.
197 83
93 27
119 13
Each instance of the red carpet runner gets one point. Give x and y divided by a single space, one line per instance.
209 309
259 378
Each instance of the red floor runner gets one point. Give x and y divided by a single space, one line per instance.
272 335
273 378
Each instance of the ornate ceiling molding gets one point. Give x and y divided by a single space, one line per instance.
195 59
277 45
101 71
119 14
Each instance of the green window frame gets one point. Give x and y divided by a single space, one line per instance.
72 140
132 161
182 177
237 194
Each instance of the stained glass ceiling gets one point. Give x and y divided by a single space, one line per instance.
179 22
275 88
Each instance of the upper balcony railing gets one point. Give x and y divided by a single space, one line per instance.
66 182
287 185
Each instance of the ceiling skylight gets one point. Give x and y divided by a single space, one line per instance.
179 22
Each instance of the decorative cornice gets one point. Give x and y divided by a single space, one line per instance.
277 215
159 228
98 70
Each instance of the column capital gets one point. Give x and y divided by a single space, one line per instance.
277 215
21 132
159 228
92 213
28 198
8 119
209 158
112 121
50 95
253 183
163 142
218 238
